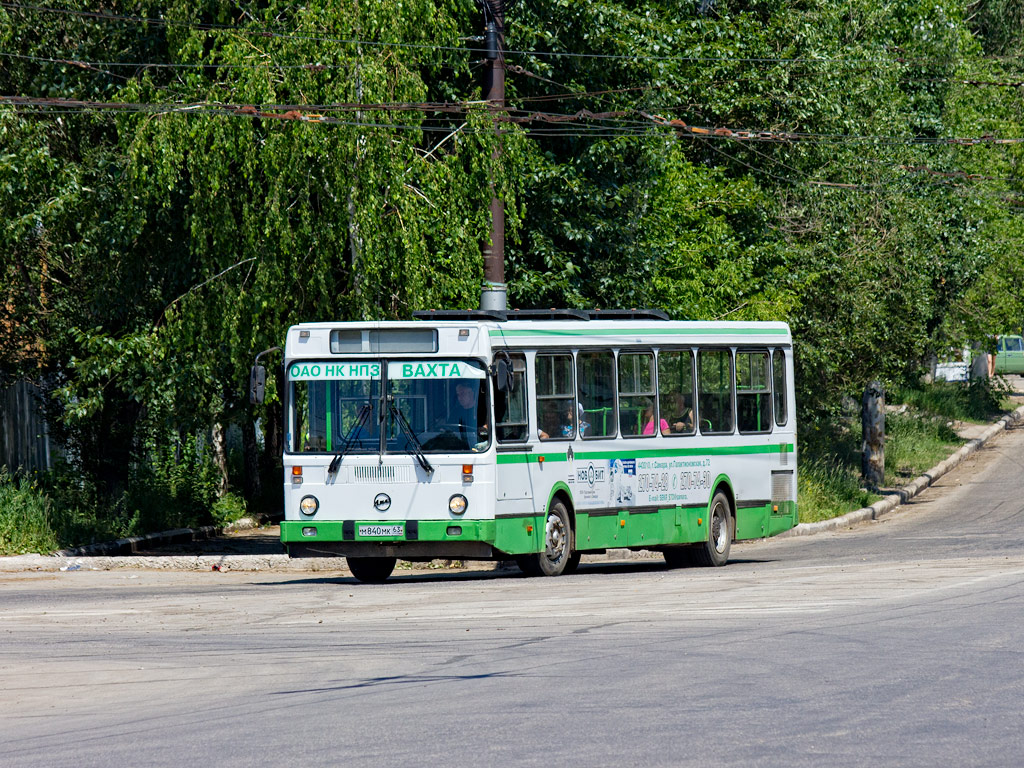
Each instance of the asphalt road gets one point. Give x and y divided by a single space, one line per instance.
896 643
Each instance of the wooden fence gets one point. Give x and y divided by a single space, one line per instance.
24 437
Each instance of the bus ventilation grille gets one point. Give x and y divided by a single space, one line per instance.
782 487
383 474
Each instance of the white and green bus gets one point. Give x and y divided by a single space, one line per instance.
536 436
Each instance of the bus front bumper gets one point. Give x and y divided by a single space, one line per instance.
404 539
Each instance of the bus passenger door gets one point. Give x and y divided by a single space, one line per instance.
513 490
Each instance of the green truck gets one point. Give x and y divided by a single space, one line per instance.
1010 354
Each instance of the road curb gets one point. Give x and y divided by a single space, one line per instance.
132 544
121 553
892 501
224 563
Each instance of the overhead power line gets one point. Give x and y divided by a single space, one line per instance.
104 67
258 30
574 126
609 123
760 135
311 112
74 62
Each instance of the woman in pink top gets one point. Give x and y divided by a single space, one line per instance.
648 420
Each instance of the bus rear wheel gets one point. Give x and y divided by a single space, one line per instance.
715 551
574 562
557 556
680 556
371 570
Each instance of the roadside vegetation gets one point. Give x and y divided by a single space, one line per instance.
25 519
59 509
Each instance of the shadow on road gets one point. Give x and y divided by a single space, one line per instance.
643 565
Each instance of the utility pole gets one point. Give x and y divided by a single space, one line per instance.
494 294
872 420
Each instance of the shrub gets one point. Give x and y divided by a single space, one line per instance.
228 509
977 400
175 486
24 517
80 514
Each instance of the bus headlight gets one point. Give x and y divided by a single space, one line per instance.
309 505
457 504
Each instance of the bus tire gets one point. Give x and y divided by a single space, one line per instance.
574 562
371 570
715 551
558 545
528 565
681 556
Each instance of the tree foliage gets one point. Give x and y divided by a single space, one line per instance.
151 250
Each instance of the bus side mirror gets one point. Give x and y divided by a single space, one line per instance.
504 380
257 384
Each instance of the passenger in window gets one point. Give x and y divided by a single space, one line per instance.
548 420
466 409
648 420
584 424
568 425
682 414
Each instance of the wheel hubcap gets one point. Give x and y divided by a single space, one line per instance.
554 538
719 529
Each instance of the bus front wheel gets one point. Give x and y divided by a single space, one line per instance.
557 557
371 570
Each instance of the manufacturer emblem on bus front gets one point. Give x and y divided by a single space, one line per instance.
382 502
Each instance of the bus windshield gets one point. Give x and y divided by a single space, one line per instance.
436 406
444 403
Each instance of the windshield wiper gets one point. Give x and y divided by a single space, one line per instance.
364 411
410 436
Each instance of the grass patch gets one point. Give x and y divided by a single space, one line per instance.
24 517
915 443
828 487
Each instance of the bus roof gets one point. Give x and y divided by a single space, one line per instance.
478 337
684 326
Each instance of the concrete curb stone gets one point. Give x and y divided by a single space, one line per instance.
133 544
281 563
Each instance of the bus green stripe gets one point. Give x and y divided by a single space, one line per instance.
734 450
535 332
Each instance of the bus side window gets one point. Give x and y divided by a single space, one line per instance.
556 402
596 383
714 402
636 394
675 391
510 407
779 387
753 392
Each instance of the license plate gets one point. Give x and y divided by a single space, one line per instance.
381 530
